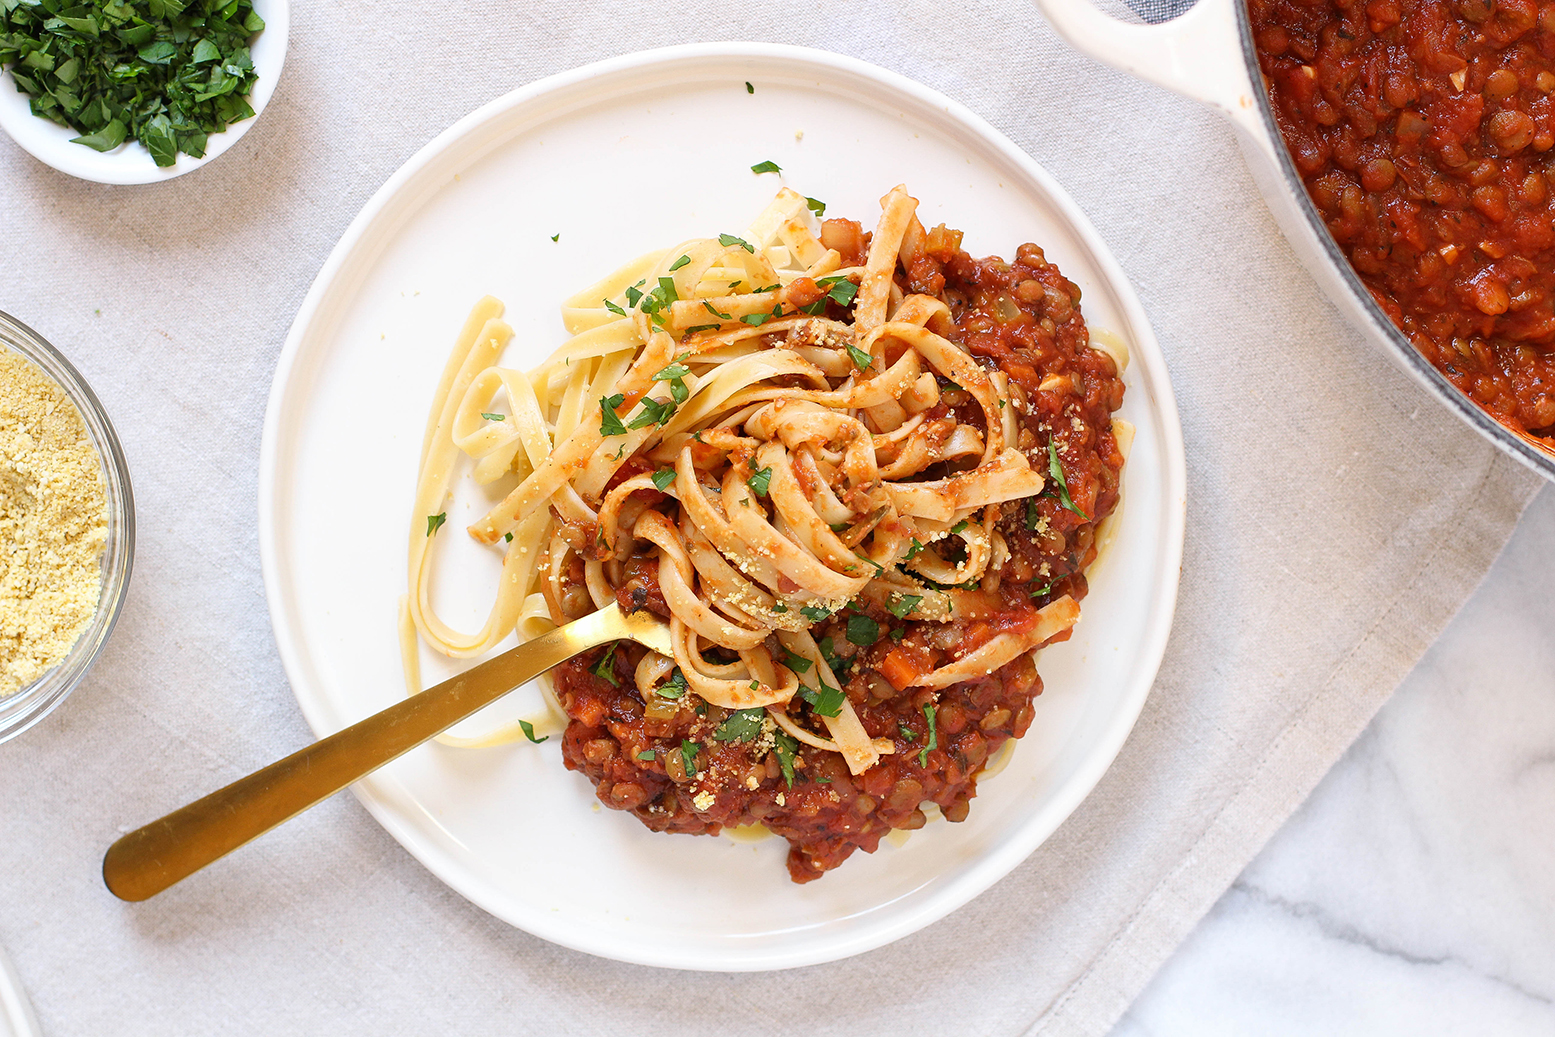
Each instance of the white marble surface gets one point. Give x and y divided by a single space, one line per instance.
1414 892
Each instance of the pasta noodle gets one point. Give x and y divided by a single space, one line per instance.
752 436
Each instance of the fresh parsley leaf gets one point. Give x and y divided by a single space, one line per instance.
682 261
728 240
863 631
609 421
828 652
902 604
507 537
764 289
843 291
913 549
865 558
748 88
766 167
557 236
1033 516
633 294
797 663
662 478
786 746
827 701
813 613
647 754
1044 589
898 633
721 316
666 293
654 412
756 320
673 688
605 669
779 607
761 481
688 755
435 522
613 308
928 716
700 327
741 725
672 372
816 206
1057 471
529 732
494 417
861 359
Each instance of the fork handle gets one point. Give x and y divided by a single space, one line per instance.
148 860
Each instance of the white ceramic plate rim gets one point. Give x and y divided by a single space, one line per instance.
943 897
130 162
16 1018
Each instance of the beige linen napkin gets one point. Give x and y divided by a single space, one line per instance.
1337 518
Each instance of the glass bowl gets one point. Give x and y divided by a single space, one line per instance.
32 703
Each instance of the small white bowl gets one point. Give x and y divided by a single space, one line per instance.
130 162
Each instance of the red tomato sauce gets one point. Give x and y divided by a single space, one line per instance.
1423 131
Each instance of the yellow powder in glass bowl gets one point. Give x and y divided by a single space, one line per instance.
53 524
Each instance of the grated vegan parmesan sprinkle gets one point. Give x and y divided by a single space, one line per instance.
53 524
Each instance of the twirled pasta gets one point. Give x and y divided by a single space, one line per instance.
767 462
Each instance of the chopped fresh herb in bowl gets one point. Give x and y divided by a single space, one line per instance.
167 73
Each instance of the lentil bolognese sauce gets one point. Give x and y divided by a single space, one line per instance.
1423 131
866 491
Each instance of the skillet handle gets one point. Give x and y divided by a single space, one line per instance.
1197 54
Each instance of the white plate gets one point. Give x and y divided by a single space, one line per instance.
618 158
130 162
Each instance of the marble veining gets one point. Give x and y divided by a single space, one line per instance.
1414 893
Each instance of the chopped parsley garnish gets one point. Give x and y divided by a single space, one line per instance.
780 608
861 359
816 206
1057 471
557 236
928 716
865 558
756 320
609 421
529 732
748 88
605 669
827 702
673 688
700 327
863 631
729 240
508 537
901 604
741 725
168 73
671 372
843 291
494 417
755 685
662 478
1033 517
633 295
907 733
828 652
898 633
838 527
654 412
797 663
688 755
763 290
682 261
721 316
959 527
1044 589
435 522
647 754
814 614
913 549
761 481
766 167
785 746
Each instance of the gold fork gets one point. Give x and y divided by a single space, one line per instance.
150 859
